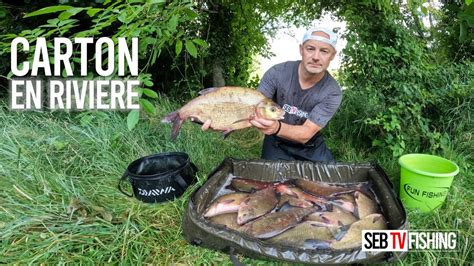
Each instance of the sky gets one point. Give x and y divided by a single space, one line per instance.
285 44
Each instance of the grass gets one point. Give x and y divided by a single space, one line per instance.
59 202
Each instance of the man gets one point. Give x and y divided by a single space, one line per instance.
309 95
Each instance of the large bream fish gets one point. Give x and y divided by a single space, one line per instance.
229 108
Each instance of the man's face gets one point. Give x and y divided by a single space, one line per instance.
316 55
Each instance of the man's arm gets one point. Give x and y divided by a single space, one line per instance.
296 133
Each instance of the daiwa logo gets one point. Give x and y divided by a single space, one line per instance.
294 111
155 192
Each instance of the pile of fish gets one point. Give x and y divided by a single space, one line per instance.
298 212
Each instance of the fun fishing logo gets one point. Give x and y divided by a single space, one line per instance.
60 89
413 240
420 193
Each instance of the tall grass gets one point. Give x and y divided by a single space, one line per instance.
347 138
59 202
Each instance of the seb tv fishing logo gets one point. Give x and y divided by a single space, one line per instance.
413 240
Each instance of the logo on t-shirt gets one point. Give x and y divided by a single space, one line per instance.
294 111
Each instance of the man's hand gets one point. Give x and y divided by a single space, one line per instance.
206 125
268 127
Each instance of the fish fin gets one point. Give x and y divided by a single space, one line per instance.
356 195
208 90
356 206
322 207
285 207
325 219
339 235
171 117
337 194
174 118
241 120
350 207
291 193
356 213
230 187
227 132
176 127
363 187
228 201
196 120
377 218
335 231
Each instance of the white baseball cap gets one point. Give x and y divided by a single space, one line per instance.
332 36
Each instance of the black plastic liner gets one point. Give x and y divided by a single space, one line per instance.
198 231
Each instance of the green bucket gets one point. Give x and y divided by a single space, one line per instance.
425 180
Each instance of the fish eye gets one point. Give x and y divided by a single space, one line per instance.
273 109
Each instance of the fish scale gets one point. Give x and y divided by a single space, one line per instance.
257 204
227 203
308 230
223 115
276 223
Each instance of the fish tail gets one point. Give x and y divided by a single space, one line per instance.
364 188
171 117
341 233
176 127
174 118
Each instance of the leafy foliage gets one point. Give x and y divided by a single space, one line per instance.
408 88
398 95
174 38
454 35
155 22
402 82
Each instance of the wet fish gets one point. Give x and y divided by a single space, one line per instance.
323 203
333 218
323 189
249 185
347 197
345 202
365 205
298 193
294 201
353 237
225 204
227 219
229 108
276 223
257 204
307 232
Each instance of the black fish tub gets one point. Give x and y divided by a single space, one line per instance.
202 231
